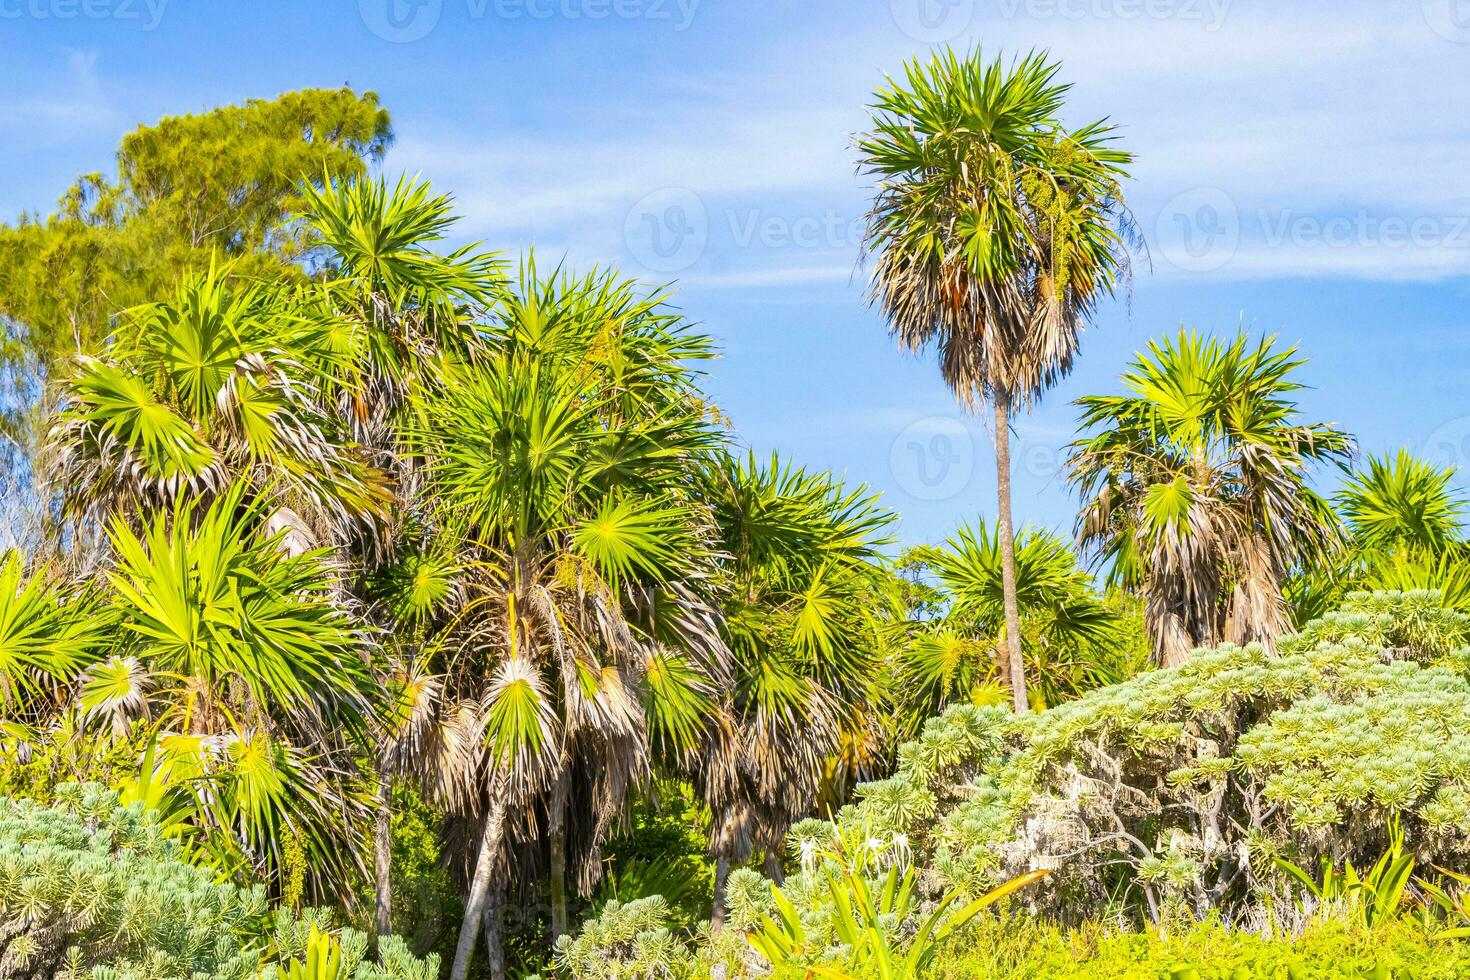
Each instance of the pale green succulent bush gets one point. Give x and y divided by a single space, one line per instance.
637 941
1169 795
1191 779
88 883
89 888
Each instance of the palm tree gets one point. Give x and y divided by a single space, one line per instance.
1402 501
803 611
1195 488
405 307
998 230
227 383
1404 532
228 660
1072 638
560 469
402 310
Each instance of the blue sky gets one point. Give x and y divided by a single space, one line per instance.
1302 170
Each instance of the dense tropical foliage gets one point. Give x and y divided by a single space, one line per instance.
381 608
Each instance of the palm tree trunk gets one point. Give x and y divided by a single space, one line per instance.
494 926
383 855
1007 535
480 888
722 875
773 868
556 839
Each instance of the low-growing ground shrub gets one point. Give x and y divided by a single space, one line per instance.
1023 948
1174 812
89 888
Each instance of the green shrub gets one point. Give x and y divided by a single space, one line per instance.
1025 949
662 851
635 940
88 883
91 888
1192 780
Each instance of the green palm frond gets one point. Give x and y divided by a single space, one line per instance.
49 632
228 381
381 237
117 689
1402 500
114 418
1070 637
521 728
627 537
204 594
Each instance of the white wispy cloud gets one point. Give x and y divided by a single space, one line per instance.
1293 112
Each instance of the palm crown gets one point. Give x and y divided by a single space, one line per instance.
1196 488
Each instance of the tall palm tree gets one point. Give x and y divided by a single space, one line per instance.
560 511
802 615
1196 491
998 230
1072 639
402 311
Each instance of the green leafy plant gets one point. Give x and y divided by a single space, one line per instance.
1072 639
90 887
323 959
1450 896
1369 898
862 920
